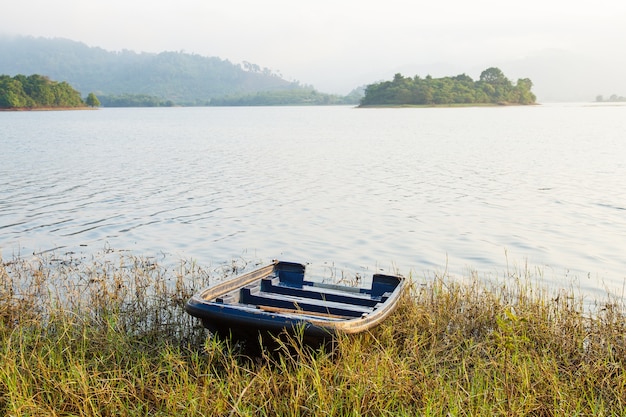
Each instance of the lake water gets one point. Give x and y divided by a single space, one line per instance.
415 190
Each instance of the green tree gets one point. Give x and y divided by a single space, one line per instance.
12 93
92 100
498 86
38 88
523 87
66 96
493 76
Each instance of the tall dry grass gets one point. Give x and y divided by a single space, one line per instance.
103 338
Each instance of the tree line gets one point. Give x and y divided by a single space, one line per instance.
613 99
37 91
298 97
134 100
492 87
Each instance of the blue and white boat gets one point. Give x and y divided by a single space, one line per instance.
277 298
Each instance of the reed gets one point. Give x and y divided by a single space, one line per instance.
102 337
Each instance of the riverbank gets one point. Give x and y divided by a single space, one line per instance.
108 336
450 105
46 108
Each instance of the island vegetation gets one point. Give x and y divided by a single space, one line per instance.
294 97
104 336
38 92
133 100
92 100
614 98
493 87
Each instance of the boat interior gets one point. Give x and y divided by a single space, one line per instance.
284 294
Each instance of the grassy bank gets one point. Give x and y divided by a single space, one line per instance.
102 338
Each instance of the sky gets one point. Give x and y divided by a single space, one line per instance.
337 45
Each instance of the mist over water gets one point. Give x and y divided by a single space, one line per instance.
416 190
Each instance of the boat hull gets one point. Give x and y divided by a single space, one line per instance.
278 299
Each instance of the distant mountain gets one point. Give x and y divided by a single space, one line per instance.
176 76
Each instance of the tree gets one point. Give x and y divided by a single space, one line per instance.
92 100
497 86
12 93
523 87
493 75
66 96
37 87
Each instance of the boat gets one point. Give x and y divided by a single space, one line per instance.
277 298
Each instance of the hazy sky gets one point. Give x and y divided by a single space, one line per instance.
340 44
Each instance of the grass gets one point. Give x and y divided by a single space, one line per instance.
110 337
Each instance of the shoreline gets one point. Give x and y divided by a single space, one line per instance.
120 342
48 108
452 105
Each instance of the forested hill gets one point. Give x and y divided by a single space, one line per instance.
492 88
180 77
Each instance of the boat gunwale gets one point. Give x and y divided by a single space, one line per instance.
346 325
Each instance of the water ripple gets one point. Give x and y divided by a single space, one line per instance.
418 190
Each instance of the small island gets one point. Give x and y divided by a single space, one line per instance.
613 99
493 88
38 92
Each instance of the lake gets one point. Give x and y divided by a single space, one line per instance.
419 191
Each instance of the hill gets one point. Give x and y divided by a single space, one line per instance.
179 77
